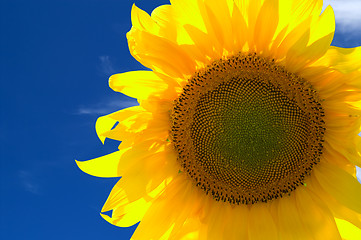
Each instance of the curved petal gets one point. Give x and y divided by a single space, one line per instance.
298 34
125 211
315 216
217 217
127 216
339 184
102 125
203 24
142 21
168 210
187 12
317 42
347 230
350 151
251 15
105 124
169 27
127 128
239 28
217 19
172 27
264 227
189 230
344 60
237 227
106 166
147 172
338 209
142 84
302 31
265 29
324 26
289 221
293 12
160 54
201 41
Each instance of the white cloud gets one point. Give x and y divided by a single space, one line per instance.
105 107
27 181
347 14
106 66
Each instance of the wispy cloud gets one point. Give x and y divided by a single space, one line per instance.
105 107
347 14
106 66
28 182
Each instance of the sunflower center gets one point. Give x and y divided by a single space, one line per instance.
246 130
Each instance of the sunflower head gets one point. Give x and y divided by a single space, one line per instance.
244 135
247 125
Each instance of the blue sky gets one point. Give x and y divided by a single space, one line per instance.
56 57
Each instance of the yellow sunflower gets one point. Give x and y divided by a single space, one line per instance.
247 125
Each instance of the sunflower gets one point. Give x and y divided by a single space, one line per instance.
247 125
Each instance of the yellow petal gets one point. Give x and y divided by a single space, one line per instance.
218 13
285 16
239 28
160 54
105 166
142 21
339 184
213 33
302 9
169 27
347 230
329 155
242 5
324 26
289 221
208 47
189 231
125 113
296 35
127 128
265 28
172 206
338 209
141 84
264 227
148 172
187 12
315 216
318 41
350 151
104 124
252 14
157 106
125 211
218 217
342 59
128 214
237 226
